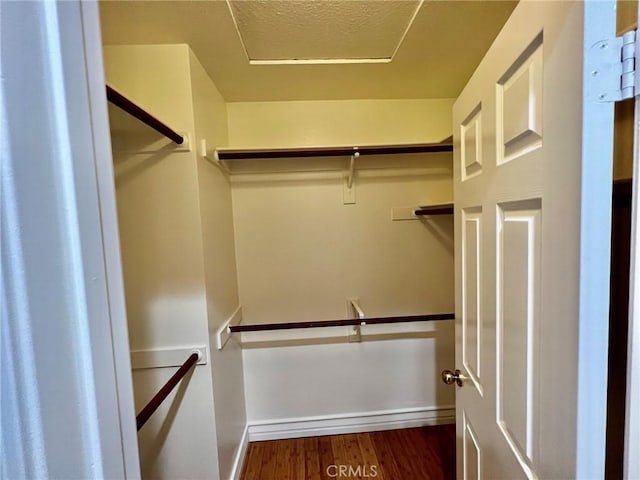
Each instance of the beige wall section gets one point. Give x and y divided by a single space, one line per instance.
292 377
158 202
340 122
177 244
627 13
623 140
157 77
301 253
219 266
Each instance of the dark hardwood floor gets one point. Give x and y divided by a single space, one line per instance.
408 454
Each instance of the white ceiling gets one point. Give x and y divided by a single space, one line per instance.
311 31
350 49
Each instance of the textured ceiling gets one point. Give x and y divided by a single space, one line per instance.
273 30
446 41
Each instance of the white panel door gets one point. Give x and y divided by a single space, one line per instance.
531 285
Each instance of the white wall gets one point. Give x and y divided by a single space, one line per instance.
177 242
293 377
219 267
338 122
301 253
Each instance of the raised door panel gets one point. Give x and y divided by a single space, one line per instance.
517 310
472 457
519 105
471 295
471 144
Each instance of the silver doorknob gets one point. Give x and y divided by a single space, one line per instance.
450 377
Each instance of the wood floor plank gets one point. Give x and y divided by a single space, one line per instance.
283 460
354 456
406 455
426 453
444 439
369 457
386 459
312 459
269 460
340 455
297 470
325 452
253 463
421 453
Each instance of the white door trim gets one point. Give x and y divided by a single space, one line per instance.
595 256
632 414
96 81
632 430
67 402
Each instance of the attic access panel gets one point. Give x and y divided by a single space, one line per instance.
328 31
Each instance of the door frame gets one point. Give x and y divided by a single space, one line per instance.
65 349
106 191
632 415
595 254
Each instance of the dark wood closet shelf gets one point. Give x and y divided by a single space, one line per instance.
441 209
261 327
345 151
127 105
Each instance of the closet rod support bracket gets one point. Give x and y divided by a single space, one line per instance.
213 157
354 310
348 189
186 142
352 166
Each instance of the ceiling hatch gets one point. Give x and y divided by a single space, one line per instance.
322 31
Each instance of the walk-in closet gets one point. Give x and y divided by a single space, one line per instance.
289 177
319 239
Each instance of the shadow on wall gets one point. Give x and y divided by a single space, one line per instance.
150 451
128 167
441 228
444 352
301 342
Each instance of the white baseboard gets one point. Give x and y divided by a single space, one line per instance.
350 423
241 453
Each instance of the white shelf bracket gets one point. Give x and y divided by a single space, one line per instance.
224 332
166 357
186 142
352 166
212 156
348 191
354 310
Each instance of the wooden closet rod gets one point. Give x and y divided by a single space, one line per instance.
445 209
261 327
134 110
164 392
264 154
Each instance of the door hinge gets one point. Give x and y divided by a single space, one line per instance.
612 69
